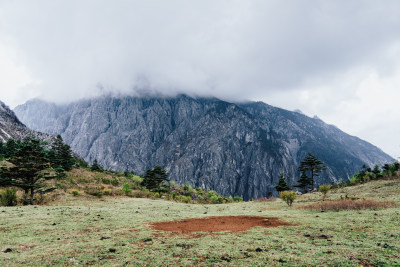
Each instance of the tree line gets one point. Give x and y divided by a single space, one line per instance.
30 162
311 167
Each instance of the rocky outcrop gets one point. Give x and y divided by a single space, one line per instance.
233 148
11 127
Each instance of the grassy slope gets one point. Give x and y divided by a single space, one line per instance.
69 232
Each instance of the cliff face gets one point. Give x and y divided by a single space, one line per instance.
11 127
235 149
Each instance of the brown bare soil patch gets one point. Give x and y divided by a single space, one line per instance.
218 224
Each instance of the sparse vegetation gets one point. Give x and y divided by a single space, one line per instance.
94 226
350 204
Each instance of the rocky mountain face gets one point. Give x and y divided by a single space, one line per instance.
11 127
237 149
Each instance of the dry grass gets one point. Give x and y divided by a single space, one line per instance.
265 199
350 204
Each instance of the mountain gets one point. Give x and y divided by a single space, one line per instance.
233 148
11 127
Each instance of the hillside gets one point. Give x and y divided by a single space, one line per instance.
11 127
235 149
86 230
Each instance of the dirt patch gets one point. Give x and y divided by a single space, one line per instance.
218 224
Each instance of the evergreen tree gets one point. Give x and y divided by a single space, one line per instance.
304 182
282 185
311 164
60 155
2 148
386 169
96 166
377 171
4 181
29 164
154 178
11 147
396 166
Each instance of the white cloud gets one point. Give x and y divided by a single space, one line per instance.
319 56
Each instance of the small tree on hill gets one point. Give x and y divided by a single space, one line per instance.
313 165
377 171
28 170
288 197
324 189
282 185
154 178
304 182
96 166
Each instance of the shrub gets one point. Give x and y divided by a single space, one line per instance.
105 181
324 188
126 188
115 182
238 199
139 194
156 195
288 197
214 199
187 199
75 193
107 192
94 191
350 204
8 197
136 179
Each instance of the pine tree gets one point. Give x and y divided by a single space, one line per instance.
312 164
154 178
96 166
304 182
11 147
282 185
29 164
61 155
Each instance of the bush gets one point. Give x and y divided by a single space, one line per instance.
214 199
238 199
115 182
126 188
324 188
94 191
75 193
139 194
105 181
288 197
8 197
187 199
107 192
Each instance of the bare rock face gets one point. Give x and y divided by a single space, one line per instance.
11 127
237 149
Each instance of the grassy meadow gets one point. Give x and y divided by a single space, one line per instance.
114 231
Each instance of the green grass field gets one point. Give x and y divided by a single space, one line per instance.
81 230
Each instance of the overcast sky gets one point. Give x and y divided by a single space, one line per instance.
339 60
